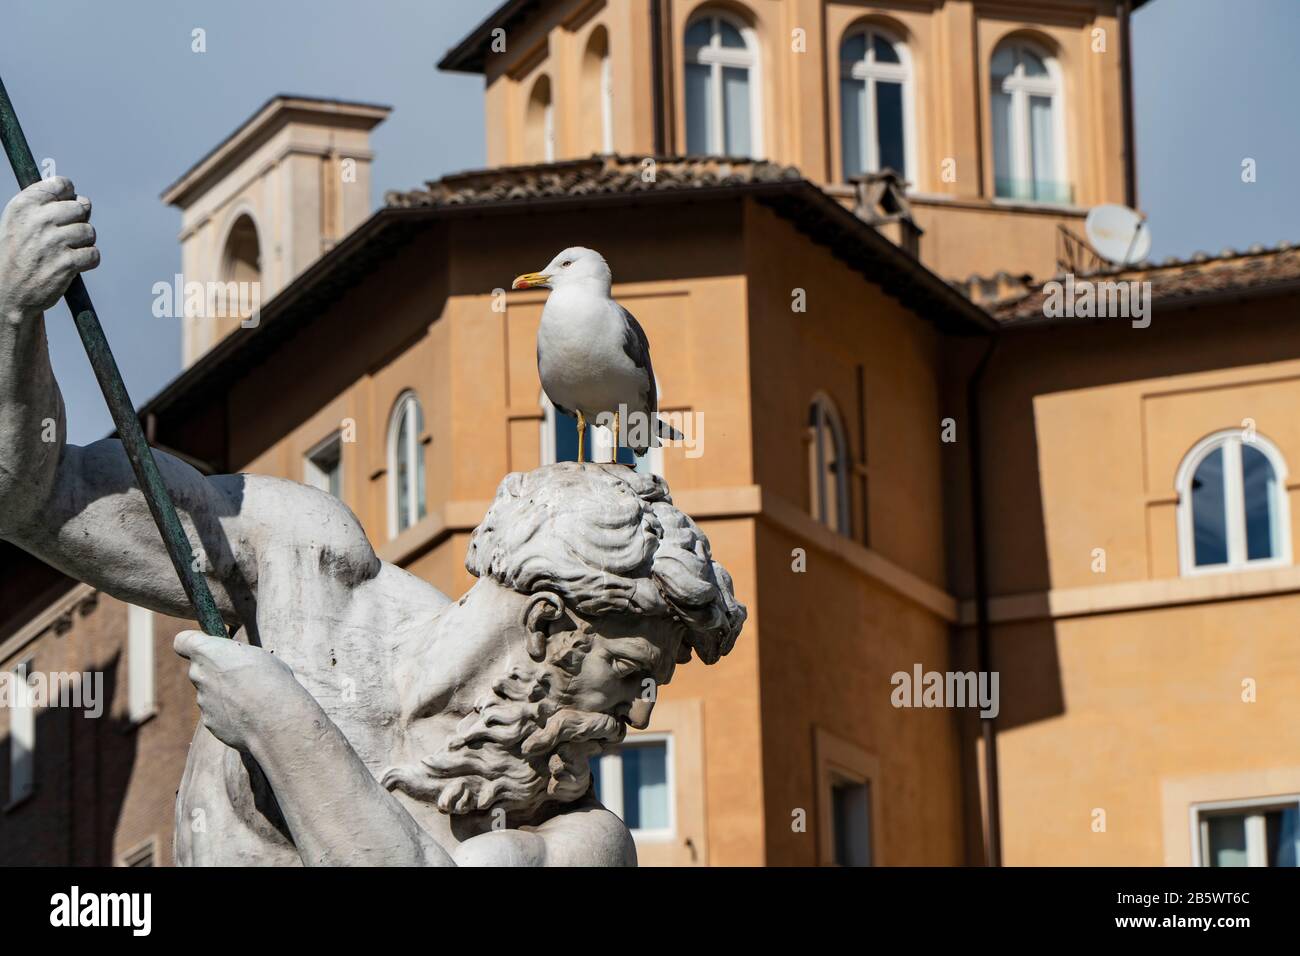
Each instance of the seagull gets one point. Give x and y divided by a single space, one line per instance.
592 355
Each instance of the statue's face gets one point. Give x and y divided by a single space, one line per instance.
539 689
630 657
479 636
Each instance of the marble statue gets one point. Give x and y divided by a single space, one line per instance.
360 717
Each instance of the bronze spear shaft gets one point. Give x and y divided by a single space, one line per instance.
119 402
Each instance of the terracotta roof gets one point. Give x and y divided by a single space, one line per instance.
598 175
601 181
1198 280
619 179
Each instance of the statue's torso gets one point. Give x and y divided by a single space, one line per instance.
337 640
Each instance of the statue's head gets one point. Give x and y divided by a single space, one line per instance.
592 587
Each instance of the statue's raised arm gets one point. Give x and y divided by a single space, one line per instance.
80 509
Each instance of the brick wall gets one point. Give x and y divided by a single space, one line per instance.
103 786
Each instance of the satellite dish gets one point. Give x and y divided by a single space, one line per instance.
1118 234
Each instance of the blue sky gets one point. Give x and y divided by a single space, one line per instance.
113 93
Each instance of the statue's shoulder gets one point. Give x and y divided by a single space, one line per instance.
288 514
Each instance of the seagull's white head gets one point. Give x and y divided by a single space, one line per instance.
575 266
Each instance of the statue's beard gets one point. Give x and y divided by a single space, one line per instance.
515 754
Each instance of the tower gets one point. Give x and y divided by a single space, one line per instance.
263 205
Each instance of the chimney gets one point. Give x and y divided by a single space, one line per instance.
882 202
263 205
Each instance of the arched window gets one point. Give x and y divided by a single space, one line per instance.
241 264
559 442
598 94
875 104
539 123
242 256
722 87
406 500
1232 505
828 466
1028 125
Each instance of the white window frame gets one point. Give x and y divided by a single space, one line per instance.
402 407
611 783
313 474
1022 87
716 57
1256 834
843 520
22 737
868 71
1230 440
836 759
141 694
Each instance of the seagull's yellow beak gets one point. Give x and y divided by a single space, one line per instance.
531 280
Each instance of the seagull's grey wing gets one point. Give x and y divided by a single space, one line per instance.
637 347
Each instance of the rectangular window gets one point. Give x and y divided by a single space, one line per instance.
889 126
1003 176
1209 511
139 661
735 91
848 780
1260 493
635 783
699 108
1263 833
851 820
853 95
323 467
1042 156
22 737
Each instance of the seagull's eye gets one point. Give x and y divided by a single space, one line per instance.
566 263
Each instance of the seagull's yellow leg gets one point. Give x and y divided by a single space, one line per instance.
614 457
582 434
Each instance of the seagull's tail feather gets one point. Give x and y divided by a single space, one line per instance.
664 430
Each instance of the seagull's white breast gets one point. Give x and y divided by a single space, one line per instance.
580 356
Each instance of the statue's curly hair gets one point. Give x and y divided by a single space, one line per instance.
608 540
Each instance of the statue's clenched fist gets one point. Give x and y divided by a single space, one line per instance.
242 689
45 239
